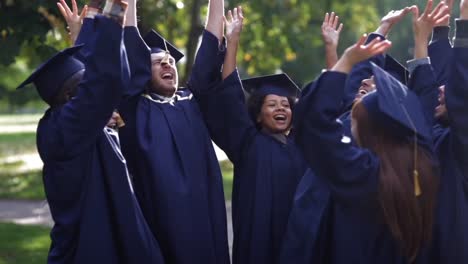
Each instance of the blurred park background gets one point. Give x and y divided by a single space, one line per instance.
278 36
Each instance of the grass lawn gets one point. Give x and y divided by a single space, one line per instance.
227 171
24 185
17 143
23 244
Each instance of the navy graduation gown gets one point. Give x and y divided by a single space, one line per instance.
175 170
439 50
358 234
97 218
451 144
266 173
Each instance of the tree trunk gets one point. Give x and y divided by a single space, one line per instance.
196 29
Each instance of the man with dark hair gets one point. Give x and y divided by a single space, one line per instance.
97 218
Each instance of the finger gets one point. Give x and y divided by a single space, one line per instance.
241 13
361 40
74 7
229 16
440 8
62 10
83 12
379 45
325 20
415 11
442 20
379 48
332 19
373 42
65 5
225 20
340 28
234 13
428 7
335 22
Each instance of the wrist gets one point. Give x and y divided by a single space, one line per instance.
384 28
115 10
331 46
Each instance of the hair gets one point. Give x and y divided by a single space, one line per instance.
409 217
255 103
68 89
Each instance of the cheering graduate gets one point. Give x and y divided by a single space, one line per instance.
315 245
169 151
383 191
97 217
451 232
267 163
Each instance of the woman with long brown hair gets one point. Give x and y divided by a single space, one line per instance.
382 190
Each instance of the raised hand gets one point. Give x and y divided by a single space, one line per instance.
73 18
116 10
234 22
423 24
393 17
464 9
330 30
446 22
360 52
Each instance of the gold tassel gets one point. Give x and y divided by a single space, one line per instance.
417 186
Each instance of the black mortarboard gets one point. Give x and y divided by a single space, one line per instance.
157 44
50 76
397 70
397 108
279 84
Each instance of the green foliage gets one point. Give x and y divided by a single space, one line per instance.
279 35
23 244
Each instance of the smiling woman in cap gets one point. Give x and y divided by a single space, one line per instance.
255 136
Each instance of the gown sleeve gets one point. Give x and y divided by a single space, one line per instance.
351 172
82 118
227 117
439 49
456 94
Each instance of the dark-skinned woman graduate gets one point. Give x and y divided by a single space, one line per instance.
97 217
384 189
169 151
254 135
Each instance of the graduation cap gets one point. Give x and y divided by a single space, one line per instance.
396 69
158 44
50 76
279 84
397 108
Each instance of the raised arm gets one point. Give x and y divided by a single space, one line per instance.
233 22
138 53
440 47
351 172
456 93
224 106
362 70
423 80
214 19
331 36
85 115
